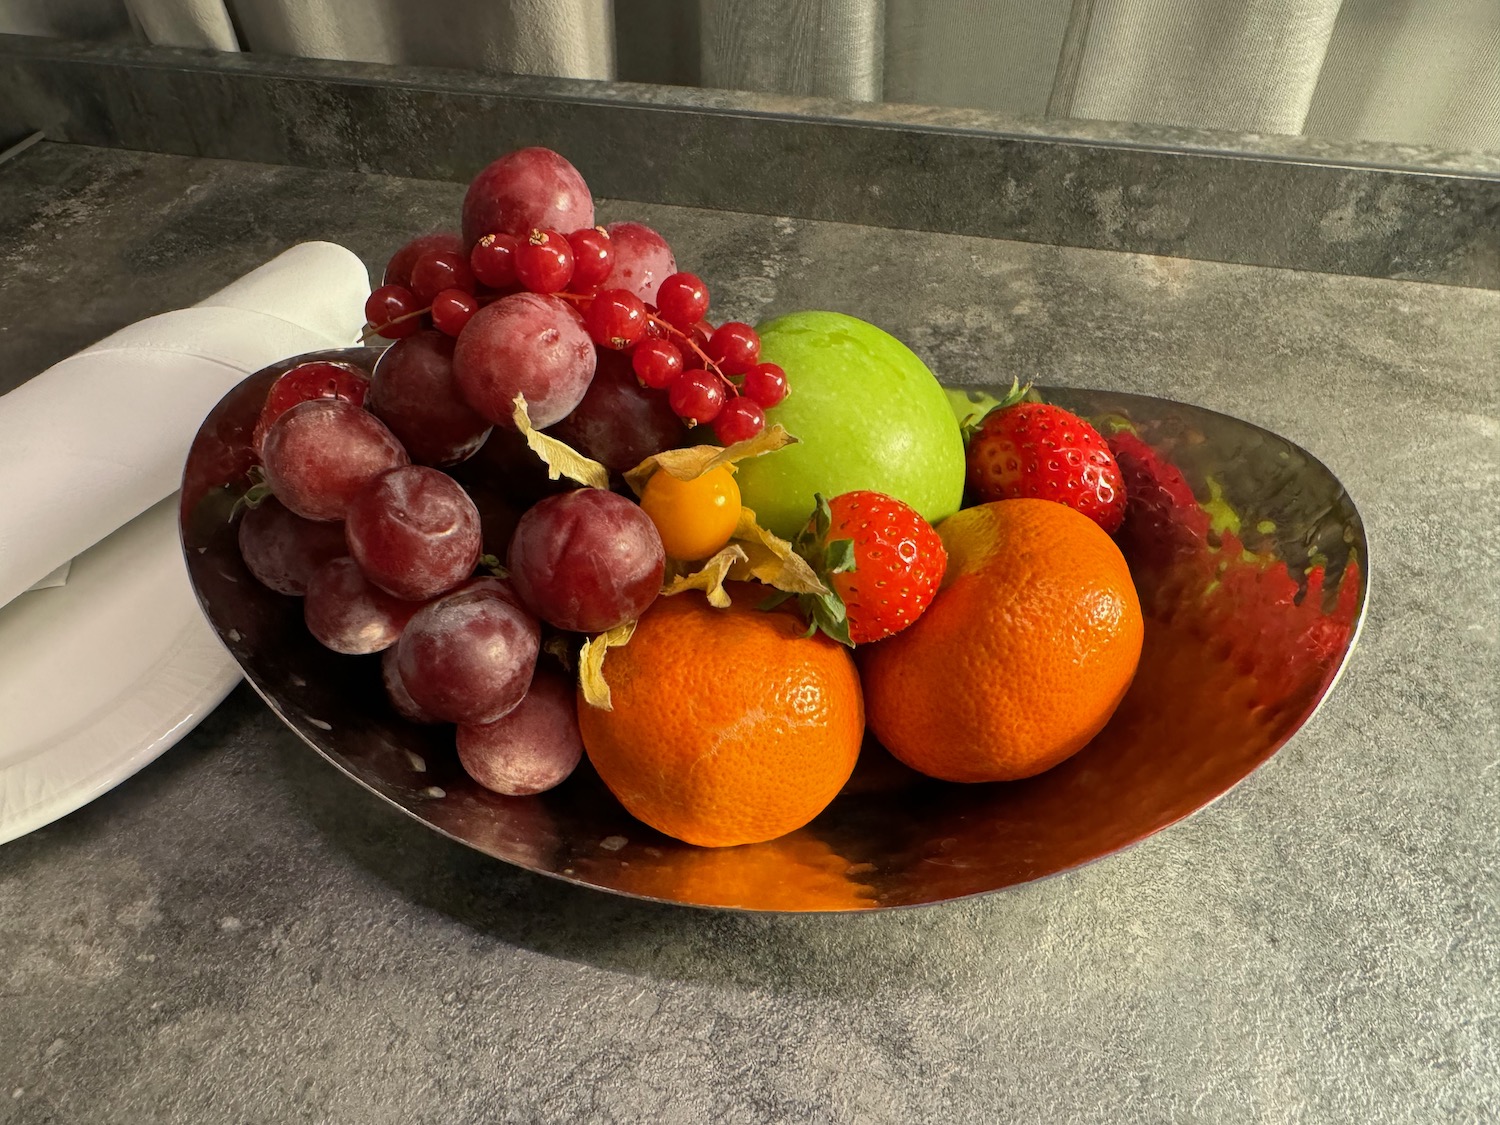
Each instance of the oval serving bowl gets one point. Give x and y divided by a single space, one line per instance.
1253 600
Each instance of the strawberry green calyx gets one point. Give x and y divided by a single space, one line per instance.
973 406
255 495
827 558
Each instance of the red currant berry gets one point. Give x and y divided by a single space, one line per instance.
386 305
544 262
437 270
593 257
451 310
656 363
734 347
765 384
493 260
740 420
616 319
696 396
682 299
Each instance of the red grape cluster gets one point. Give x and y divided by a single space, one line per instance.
378 517
523 289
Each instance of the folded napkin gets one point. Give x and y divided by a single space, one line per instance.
98 438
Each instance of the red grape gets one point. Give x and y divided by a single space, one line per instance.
389 310
524 344
398 269
438 270
616 319
396 691
655 363
349 614
696 396
682 300
544 262
468 657
740 420
413 392
414 532
765 384
525 190
499 587
451 310
586 560
619 423
593 258
642 260
493 260
283 550
321 452
735 347
533 748
319 379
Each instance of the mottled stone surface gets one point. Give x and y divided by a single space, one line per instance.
239 934
1370 210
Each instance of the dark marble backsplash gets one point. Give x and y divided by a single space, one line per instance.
1285 202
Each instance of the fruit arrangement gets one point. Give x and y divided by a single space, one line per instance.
576 520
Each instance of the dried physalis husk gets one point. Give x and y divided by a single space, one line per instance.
561 459
772 560
709 577
753 555
693 462
591 664
561 648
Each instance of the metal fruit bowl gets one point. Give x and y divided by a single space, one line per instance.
1242 644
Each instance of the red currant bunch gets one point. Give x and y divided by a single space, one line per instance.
710 375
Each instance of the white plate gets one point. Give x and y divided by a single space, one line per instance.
100 676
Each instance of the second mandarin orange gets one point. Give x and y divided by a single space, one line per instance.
1021 658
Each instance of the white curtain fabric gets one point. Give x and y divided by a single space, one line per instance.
1423 72
998 55
1248 66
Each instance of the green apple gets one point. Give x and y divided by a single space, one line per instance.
867 414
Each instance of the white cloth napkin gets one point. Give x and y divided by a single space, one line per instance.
98 438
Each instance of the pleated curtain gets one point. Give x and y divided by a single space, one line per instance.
1421 72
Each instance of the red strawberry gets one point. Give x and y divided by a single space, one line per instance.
1164 519
315 379
881 560
1037 450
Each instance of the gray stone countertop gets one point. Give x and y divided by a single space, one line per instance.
237 934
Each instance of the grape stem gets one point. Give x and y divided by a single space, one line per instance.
373 330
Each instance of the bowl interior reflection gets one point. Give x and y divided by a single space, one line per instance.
1252 604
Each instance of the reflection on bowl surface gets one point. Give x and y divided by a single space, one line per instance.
1251 566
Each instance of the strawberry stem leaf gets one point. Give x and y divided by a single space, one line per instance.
838 557
827 557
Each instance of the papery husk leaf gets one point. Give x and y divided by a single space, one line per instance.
591 664
694 461
560 647
771 559
561 459
709 577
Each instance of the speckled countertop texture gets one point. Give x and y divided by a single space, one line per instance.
237 934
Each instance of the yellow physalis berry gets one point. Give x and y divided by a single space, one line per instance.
695 517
